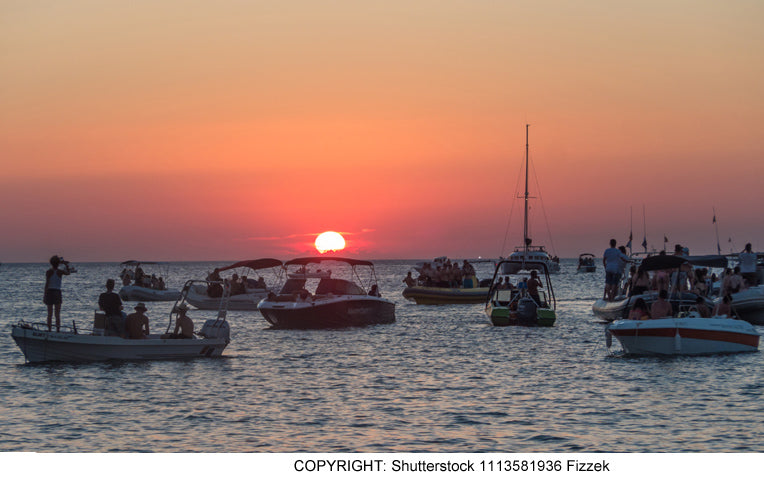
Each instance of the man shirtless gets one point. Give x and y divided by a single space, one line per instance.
137 323
661 308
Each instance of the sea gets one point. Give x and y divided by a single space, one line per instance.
440 379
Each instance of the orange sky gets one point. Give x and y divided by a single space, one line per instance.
194 130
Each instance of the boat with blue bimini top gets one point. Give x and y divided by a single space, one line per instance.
101 343
351 301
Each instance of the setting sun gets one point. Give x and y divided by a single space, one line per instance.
329 242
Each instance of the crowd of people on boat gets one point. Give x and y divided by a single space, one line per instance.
238 285
444 273
138 278
676 281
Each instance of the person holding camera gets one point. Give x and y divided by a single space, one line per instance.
52 296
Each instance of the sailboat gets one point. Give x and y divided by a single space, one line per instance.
529 256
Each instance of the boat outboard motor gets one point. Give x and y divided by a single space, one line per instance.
526 311
216 329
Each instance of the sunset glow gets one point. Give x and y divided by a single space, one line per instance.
330 242
219 130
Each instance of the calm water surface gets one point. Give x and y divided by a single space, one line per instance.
441 379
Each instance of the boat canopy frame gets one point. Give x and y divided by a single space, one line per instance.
353 262
548 287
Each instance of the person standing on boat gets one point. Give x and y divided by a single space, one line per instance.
52 296
614 261
111 305
747 261
533 287
137 323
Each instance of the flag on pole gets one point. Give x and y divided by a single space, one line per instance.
665 239
644 243
714 221
628 245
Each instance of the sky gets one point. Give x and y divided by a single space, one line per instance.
193 130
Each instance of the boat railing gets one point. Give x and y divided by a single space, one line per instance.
43 327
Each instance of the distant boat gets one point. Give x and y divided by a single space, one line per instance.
528 256
145 288
586 263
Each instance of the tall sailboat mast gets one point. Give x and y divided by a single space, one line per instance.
525 224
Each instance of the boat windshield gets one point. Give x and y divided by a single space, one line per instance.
338 286
292 285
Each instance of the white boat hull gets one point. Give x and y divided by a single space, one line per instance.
248 301
134 293
44 346
685 336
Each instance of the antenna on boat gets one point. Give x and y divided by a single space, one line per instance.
526 240
716 226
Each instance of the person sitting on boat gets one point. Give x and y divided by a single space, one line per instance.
699 283
724 308
137 323
111 305
303 294
126 275
160 284
260 283
139 276
409 280
184 326
702 308
639 311
455 275
374 291
533 287
733 282
237 288
661 307
747 265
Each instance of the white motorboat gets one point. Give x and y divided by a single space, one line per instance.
335 302
207 298
78 344
140 287
749 304
689 335
528 256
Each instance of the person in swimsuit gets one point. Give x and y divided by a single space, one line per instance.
52 296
